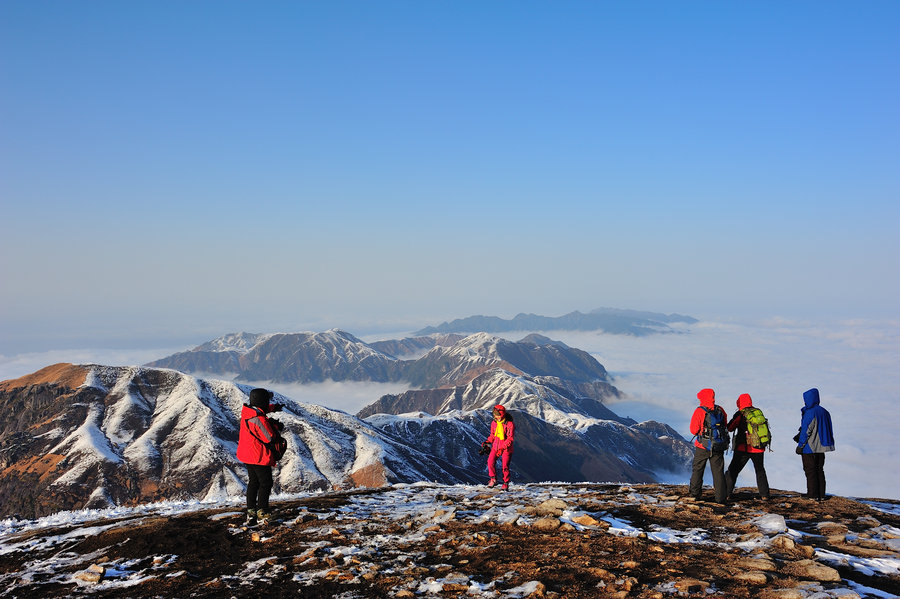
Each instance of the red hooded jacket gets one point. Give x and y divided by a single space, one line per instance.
739 423
707 399
255 430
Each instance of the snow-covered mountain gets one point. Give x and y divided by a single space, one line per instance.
89 435
287 358
339 356
560 435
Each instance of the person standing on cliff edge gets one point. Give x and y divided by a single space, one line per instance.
708 425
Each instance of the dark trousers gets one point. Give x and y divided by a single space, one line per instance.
716 461
738 461
259 486
814 469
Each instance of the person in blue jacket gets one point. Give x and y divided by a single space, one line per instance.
816 437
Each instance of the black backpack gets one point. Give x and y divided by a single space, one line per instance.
714 433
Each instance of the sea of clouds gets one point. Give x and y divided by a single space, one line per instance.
854 364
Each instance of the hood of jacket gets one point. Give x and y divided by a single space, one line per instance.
744 401
811 398
707 398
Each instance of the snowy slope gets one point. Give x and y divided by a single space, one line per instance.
129 434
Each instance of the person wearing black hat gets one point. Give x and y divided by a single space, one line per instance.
256 431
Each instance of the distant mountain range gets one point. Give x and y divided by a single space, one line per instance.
608 320
74 436
339 356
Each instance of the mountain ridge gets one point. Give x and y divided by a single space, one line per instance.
608 320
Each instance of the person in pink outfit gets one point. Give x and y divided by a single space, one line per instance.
501 443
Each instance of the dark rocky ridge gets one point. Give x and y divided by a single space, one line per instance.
608 320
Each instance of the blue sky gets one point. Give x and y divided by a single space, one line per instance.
171 171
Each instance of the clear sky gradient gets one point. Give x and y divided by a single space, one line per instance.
178 170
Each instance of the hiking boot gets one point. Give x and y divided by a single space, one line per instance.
251 518
492 482
505 487
264 516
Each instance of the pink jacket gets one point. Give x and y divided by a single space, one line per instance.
506 444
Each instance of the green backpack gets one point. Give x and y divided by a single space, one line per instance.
758 435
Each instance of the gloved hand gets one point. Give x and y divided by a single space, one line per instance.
485 448
797 438
276 407
799 450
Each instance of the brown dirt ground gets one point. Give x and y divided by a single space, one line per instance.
203 557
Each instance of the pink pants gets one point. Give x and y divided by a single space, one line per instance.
492 463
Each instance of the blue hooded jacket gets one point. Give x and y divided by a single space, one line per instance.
816 433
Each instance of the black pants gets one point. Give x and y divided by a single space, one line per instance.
259 486
738 461
814 469
716 461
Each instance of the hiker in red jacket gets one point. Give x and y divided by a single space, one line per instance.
501 442
705 450
257 430
744 452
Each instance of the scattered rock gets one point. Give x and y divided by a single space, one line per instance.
752 577
587 520
691 585
869 521
812 570
93 574
783 542
546 524
552 507
829 529
753 563
782 594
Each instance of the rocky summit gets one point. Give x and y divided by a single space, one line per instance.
439 541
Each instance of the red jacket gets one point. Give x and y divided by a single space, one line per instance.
255 430
740 424
707 399
509 430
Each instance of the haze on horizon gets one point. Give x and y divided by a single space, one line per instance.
171 172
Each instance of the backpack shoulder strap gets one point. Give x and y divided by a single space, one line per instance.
250 430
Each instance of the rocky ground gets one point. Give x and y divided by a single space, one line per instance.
540 541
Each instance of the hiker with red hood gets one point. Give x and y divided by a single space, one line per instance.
255 433
708 425
501 445
744 449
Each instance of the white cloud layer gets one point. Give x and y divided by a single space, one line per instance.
853 364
